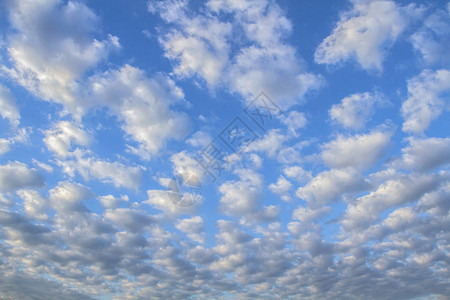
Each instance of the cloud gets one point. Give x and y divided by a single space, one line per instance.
16 175
331 185
271 143
34 204
243 196
20 285
91 167
281 188
392 193
67 197
427 153
426 99
355 110
193 227
205 45
52 46
60 138
360 151
294 121
5 146
130 220
297 173
143 105
365 33
432 40
8 107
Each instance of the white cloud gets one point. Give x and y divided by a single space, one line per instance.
432 40
425 154
63 135
5 146
16 175
130 220
161 200
365 33
355 110
186 166
307 215
426 99
110 202
242 196
34 204
330 185
294 121
8 107
67 197
143 105
392 193
193 227
271 143
205 45
297 173
281 188
88 166
52 46
358 151
199 139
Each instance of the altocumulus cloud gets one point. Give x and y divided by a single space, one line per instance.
343 192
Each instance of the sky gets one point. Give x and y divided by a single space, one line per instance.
224 149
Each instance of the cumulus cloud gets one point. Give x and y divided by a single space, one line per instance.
193 227
432 40
281 188
35 204
427 153
330 185
358 151
16 175
143 105
91 167
8 107
355 110
204 45
426 99
53 46
294 121
392 193
242 196
365 33
63 135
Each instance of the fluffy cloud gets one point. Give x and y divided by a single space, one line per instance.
143 105
8 107
16 175
426 154
359 151
355 110
91 167
294 121
330 185
34 204
432 40
52 46
392 193
426 99
63 135
365 33
242 196
204 45
193 227
281 187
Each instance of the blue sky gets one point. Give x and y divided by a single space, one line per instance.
224 149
